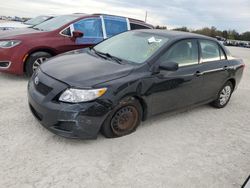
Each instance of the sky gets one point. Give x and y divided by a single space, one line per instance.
194 14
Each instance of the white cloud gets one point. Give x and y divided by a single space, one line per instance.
228 14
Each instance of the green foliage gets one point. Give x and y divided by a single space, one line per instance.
213 32
160 27
185 29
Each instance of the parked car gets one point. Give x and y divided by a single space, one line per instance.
128 78
24 50
29 23
221 39
247 45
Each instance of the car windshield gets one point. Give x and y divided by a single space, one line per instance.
55 23
37 20
132 46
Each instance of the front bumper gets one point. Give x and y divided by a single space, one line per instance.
14 58
68 120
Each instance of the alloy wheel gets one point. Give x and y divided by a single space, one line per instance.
225 95
38 62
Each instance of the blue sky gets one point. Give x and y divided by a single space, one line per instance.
226 14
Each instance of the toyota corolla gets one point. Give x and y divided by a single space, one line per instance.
122 81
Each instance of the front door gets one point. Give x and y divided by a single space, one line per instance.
177 89
90 27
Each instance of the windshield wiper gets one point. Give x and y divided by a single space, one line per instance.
37 29
116 59
98 53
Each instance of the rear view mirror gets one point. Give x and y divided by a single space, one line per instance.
77 34
169 66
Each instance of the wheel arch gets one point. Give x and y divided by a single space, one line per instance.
45 49
233 81
142 102
143 105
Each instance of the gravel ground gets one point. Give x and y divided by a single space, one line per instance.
203 147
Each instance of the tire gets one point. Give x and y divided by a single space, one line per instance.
226 91
123 119
34 61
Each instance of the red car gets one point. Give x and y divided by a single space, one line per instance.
23 50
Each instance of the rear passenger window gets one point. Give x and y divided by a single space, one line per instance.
115 25
134 26
184 53
209 51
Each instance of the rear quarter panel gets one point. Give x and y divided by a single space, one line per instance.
236 70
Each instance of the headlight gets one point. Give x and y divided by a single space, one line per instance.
81 95
9 43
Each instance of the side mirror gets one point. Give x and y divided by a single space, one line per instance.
77 34
169 66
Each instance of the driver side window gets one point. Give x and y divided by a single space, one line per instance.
183 53
92 29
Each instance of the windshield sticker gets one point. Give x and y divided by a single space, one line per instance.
154 40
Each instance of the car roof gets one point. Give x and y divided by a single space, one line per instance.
174 34
79 15
130 19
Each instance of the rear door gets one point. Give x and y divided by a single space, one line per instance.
214 68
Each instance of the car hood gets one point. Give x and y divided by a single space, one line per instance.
82 69
13 34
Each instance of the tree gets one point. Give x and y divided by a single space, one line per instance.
160 27
185 29
246 36
214 32
225 34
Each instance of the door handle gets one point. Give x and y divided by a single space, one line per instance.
226 68
198 73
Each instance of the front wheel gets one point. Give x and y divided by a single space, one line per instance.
224 96
124 119
35 60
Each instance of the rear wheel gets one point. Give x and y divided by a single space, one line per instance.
124 118
224 96
35 60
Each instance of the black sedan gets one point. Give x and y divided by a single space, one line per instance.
126 79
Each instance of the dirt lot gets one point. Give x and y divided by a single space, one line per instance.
203 147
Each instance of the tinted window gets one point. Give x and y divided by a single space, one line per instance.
92 29
137 26
132 46
115 25
184 53
67 32
209 51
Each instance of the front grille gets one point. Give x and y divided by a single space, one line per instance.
43 89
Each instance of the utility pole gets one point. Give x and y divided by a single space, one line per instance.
146 16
